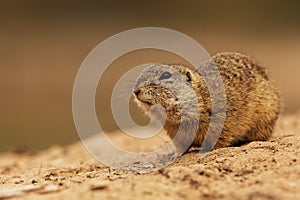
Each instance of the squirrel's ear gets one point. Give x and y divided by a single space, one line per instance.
189 76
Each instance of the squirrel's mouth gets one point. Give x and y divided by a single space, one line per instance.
145 102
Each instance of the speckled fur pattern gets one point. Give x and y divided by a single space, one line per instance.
252 101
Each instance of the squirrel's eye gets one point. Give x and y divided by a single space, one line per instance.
188 77
165 75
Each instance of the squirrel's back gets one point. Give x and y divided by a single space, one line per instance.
252 101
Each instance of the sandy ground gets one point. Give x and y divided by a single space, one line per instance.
258 170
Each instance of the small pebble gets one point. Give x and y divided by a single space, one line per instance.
99 186
292 184
49 189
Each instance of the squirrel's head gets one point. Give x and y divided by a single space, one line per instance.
170 86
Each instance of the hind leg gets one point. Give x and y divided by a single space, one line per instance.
261 131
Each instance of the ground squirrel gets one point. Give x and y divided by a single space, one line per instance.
252 101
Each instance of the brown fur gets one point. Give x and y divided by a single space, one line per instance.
252 108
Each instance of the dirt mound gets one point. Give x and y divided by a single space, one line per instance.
258 170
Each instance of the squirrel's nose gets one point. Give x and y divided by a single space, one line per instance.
137 91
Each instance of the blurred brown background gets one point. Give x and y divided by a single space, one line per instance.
44 42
